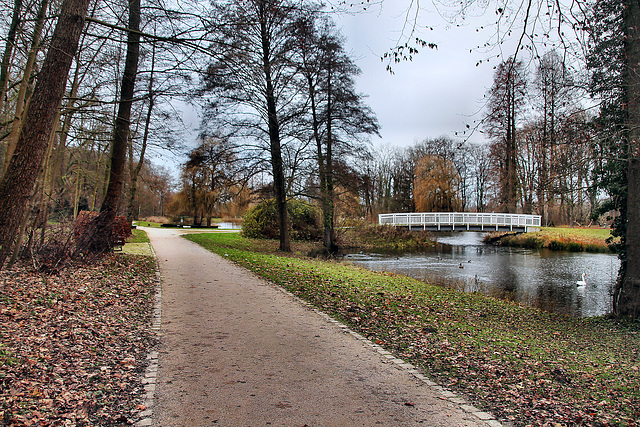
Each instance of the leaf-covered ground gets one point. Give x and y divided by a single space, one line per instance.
74 343
526 366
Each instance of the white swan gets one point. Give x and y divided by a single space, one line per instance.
583 281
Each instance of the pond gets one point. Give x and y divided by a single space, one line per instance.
541 278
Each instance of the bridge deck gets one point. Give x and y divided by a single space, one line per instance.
459 221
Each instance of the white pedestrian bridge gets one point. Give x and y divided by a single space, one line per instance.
462 221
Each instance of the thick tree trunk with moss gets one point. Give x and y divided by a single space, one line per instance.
627 295
16 187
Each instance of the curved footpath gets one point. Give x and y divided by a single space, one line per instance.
238 351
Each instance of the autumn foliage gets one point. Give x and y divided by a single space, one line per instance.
435 187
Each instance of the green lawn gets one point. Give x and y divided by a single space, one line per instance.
138 236
138 244
522 364
147 224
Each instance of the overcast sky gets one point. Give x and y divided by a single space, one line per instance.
440 91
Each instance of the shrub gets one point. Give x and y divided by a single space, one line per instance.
556 245
119 233
261 221
574 247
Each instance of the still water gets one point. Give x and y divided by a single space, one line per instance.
540 278
229 226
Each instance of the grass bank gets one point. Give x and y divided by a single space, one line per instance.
367 236
559 238
521 364
148 224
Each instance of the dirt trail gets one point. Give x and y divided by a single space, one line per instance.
237 351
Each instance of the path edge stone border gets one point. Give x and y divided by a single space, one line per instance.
486 417
151 372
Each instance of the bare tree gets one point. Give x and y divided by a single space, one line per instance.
481 173
506 100
16 21
552 83
252 81
22 100
213 174
100 238
17 184
338 115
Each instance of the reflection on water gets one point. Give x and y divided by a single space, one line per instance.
541 278
229 226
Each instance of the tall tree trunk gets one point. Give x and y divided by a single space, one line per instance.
23 100
97 180
39 193
8 50
274 135
17 184
627 294
511 147
322 168
101 239
136 171
541 191
76 194
328 200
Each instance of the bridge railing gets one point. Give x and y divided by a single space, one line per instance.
435 219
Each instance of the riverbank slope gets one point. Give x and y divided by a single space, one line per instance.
556 238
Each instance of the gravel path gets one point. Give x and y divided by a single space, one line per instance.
238 351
